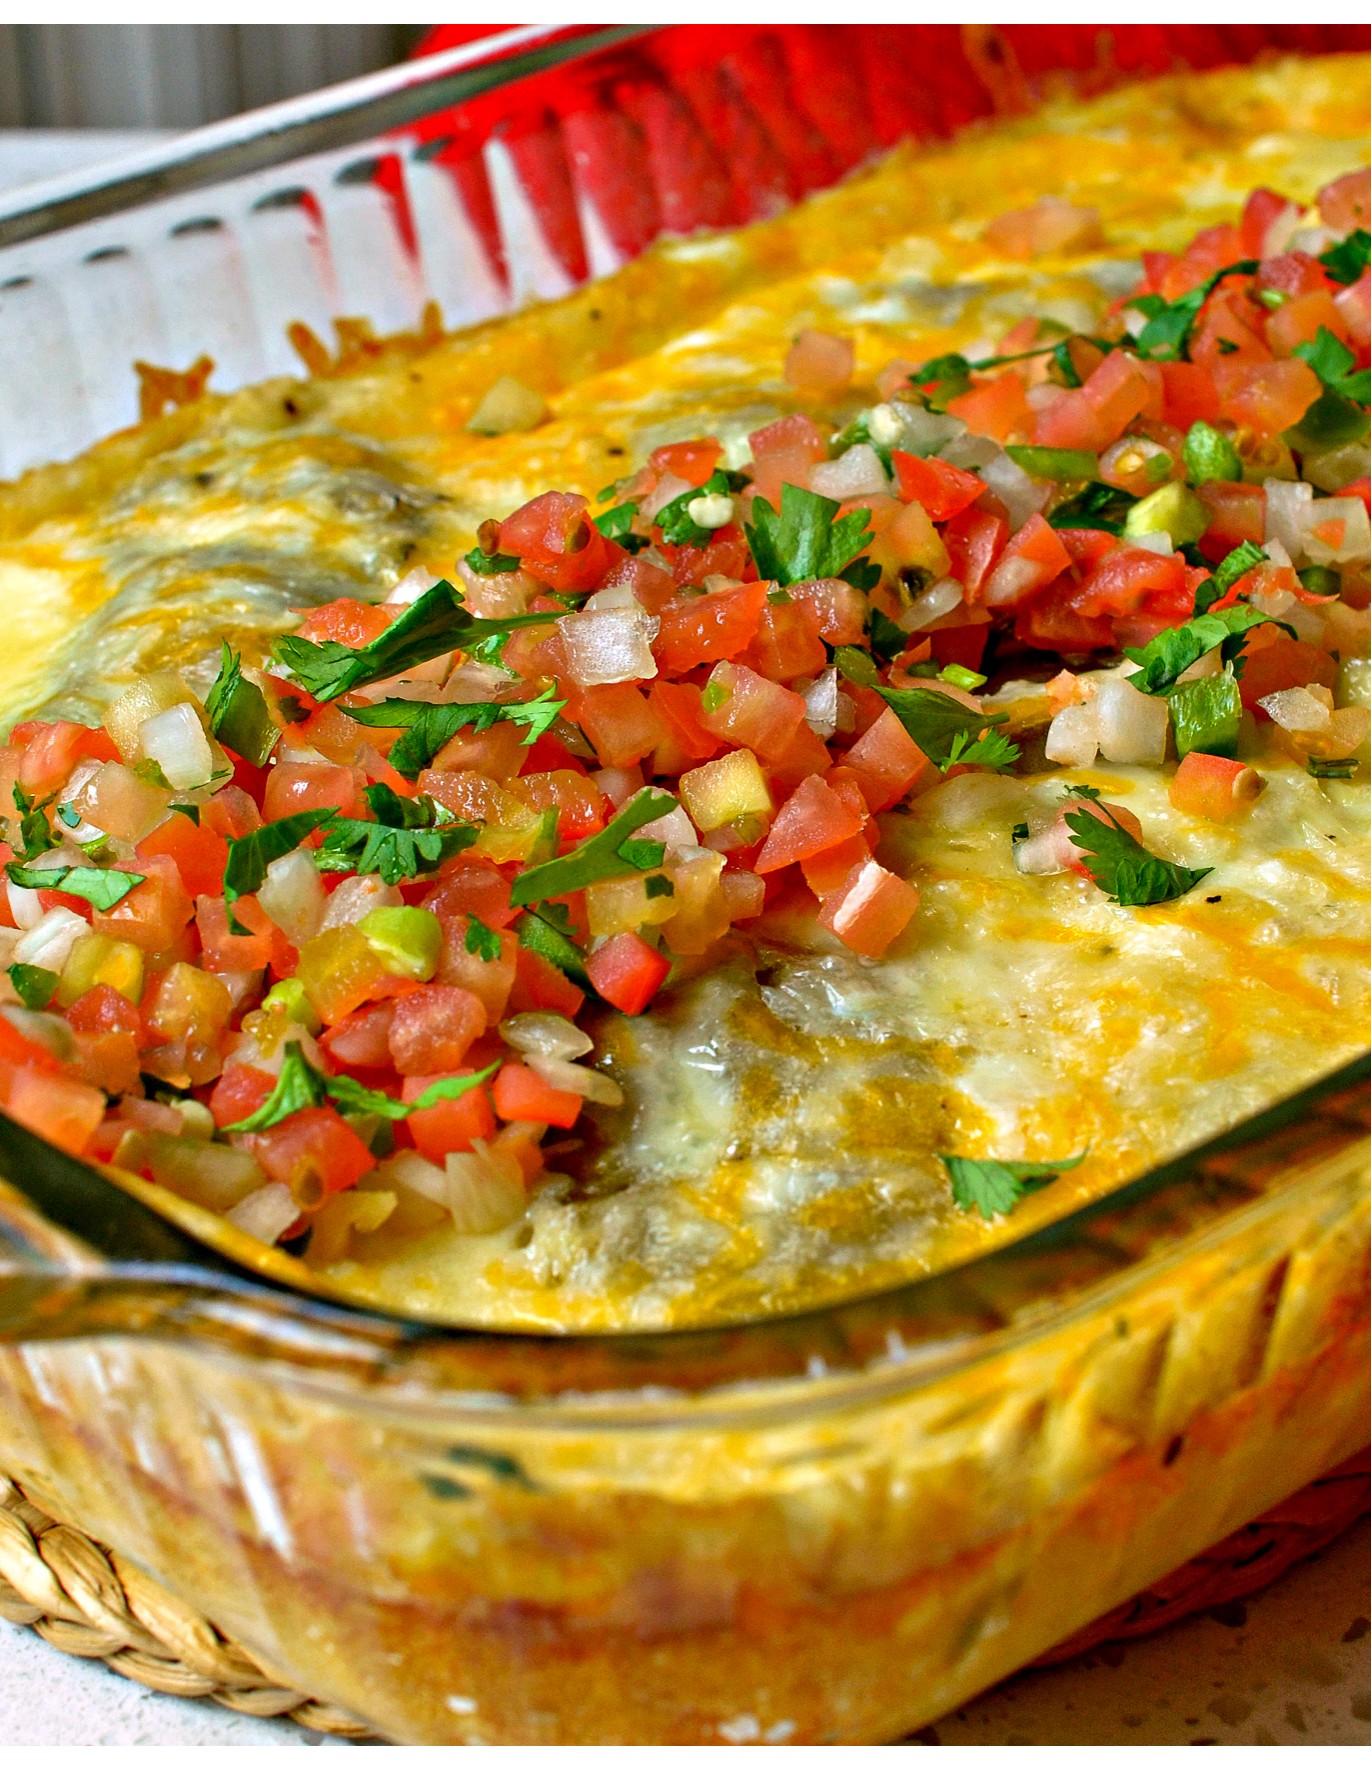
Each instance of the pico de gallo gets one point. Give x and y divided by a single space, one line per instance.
315 948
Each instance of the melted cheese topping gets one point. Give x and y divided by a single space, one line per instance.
785 1107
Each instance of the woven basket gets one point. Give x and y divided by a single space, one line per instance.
91 1602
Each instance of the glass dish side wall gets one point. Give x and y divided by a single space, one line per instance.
841 1558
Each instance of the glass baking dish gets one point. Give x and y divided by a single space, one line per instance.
834 1526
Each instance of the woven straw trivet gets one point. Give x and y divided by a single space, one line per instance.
91 1602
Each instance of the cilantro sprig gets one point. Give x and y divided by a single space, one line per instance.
946 731
994 1188
300 1086
1163 660
436 623
1244 558
406 838
1349 258
1166 336
1124 870
808 539
1337 415
35 832
429 725
608 855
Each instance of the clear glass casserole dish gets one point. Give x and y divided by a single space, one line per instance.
829 1527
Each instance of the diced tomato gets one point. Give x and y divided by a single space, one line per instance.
1050 623
1213 787
1354 306
1259 211
1091 417
886 761
870 909
472 888
1272 661
238 1093
1237 513
580 805
620 722
839 608
677 705
826 872
783 453
230 813
805 754
103 1009
812 819
974 541
627 972
57 1107
51 751
997 408
726 555
692 461
1188 395
154 913
652 586
1267 397
490 980
200 853
314 1152
1298 322
1034 557
521 1093
1346 202
226 951
313 786
1132 579
1229 332
539 985
1211 249
702 629
964 644
747 710
555 541
942 489
787 643
433 1028
361 1040
448 1125
108 1061
346 622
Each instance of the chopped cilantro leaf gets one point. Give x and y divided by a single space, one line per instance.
490 565
1336 417
429 725
70 816
617 525
102 887
481 942
805 541
301 1086
1066 368
1244 558
678 527
1349 258
34 985
853 665
237 711
935 721
298 1087
35 832
1164 659
991 750
188 810
408 837
607 855
658 885
1097 506
249 856
1122 868
994 1188
886 639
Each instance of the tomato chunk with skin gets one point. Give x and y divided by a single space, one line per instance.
200 853
627 972
812 819
1273 661
1215 788
59 1108
521 1093
314 1152
448 1126
870 909
555 541
702 629
433 1028
942 489
345 621
1033 557
238 1093
974 541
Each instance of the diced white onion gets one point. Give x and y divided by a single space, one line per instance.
970 451
609 645
939 599
669 487
408 1168
9 939
24 905
410 588
821 705
885 426
485 1191
1073 736
675 829
356 898
590 1084
618 784
545 1035
1296 709
1047 850
1154 541
1131 726
293 895
711 510
1021 494
266 1213
1279 233
856 473
1288 503
612 596
176 742
1284 605
49 942
970 799
1356 537
931 433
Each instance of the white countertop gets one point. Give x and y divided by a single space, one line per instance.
1297 1672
